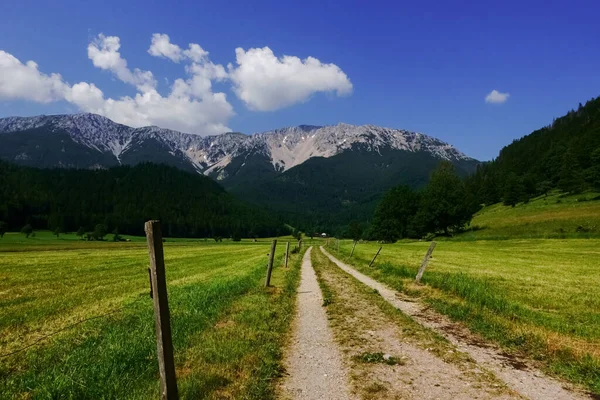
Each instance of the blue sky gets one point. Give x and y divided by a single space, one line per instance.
422 66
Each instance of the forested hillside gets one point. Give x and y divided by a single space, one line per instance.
325 194
189 205
563 155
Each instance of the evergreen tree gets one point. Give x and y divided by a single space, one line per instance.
3 228
57 231
354 231
513 190
571 176
595 169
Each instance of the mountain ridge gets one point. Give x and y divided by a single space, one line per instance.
283 148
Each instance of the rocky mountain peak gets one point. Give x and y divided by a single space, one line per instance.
283 148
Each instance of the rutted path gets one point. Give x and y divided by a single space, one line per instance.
314 366
524 379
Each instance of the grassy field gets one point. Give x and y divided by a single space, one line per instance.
228 330
535 296
554 216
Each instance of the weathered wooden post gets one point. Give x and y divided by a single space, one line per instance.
373 260
270 266
352 252
299 244
338 246
164 341
425 262
287 253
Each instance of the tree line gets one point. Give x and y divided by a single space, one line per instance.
443 206
120 199
564 155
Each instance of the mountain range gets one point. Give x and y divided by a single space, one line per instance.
321 171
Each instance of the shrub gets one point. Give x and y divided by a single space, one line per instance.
27 230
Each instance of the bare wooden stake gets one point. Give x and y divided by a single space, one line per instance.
270 266
287 253
425 262
352 252
164 341
373 260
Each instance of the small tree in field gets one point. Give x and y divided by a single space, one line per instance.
116 236
3 228
27 230
57 232
80 232
395 215
444 204
100 232
296 234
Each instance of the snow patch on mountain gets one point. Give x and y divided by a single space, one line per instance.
285 148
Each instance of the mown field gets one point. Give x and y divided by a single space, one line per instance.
534 296
228 330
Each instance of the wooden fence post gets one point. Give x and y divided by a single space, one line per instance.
373 260
338 246
352 252
270 266
287 253
425 262
164 341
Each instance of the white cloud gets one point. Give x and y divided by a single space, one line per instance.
261 80
207 116
26 82
265 82
191 106
195 52
104 53
161 46
496 97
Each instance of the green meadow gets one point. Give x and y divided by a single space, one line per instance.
93 299
534 296
555 216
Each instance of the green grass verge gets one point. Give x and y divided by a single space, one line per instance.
538 297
